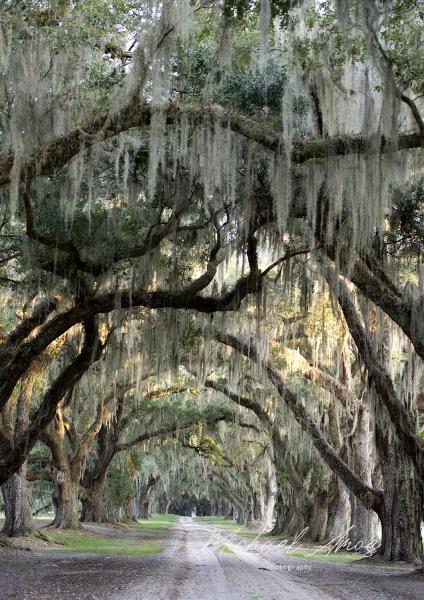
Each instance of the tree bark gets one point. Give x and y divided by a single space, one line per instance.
15 419
338 509
11 461
65 501
271 493
93 503
143 500
366 494
144 508
280 515
18 517
66 476
128 509
362 519
383 383
319 514
258 508
338 497
401 513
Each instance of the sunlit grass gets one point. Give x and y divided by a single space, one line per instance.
337 557
227 525
213 520
157 522
226 549
100 545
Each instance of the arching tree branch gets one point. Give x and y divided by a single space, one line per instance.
50 159
370 497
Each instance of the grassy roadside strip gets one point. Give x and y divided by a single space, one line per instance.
227 525
157 522
308 553
89 542
337 557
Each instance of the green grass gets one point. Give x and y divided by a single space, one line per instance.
231 526
337 557
157 522
213 520
100 545
226 549
227 525
167 518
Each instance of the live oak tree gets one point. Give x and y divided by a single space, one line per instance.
163 159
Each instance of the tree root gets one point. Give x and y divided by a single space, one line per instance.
6 543
42 536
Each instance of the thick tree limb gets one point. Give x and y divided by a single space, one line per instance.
57 326
382 380
415 113
402 309
68 377
170 429
370 497
281 456
49 159
37 318
71 256
244 401
345 396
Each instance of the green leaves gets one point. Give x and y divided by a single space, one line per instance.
403 37
360 34
234 10
205 446
406 234
254 91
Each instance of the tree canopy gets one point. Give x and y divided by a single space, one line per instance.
211 219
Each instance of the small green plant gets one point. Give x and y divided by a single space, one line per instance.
226 549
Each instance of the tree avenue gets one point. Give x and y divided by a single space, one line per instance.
211 229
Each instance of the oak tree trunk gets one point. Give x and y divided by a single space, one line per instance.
280 515
271 493
18 518
258 508
65 500
93 503
319 515
363 520
401 512
338 510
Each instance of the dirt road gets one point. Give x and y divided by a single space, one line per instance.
194 567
